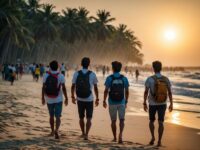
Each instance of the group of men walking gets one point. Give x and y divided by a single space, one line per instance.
158 88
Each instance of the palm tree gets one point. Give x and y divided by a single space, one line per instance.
70 26
102 24
34 31
45 29
12 32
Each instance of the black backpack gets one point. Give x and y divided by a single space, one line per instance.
51 85
117 88
83 85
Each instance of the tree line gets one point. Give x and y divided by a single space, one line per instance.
35 32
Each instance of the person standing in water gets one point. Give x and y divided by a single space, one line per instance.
157 89
137 74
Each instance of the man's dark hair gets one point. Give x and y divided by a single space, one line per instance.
116 66
54 65
157 66
85 62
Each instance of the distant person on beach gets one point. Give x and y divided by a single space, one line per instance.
117 87
104 70
82 84
12 74
63 69
107 70
21 71
17 71
32 69
157 89
52 93
137 73
42 70
126 70
2 71
37 72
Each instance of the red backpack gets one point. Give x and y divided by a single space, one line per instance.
52 88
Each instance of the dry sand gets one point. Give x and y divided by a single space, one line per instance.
24 124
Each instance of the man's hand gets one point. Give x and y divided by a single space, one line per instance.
104 104
73 100
66 101
97 102
170 107
145 107
43 101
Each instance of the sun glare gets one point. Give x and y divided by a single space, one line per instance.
170 34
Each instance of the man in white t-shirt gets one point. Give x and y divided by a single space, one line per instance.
83 83
52 93
157 89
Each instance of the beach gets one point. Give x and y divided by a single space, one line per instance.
24 122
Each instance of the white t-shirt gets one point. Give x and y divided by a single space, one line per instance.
150 83
61 80
62 68
92 79
13 69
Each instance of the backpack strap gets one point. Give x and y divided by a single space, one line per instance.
154 77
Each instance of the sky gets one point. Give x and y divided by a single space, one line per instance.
168 29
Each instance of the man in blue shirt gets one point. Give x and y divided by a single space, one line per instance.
117 86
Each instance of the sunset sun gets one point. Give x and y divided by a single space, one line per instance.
170 34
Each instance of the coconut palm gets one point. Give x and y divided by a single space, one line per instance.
102 24
35 32
45 29
12 32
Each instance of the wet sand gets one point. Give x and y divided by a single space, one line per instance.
24 123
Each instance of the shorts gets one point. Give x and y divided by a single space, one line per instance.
55 109
160 109
37 76
113 109
85 107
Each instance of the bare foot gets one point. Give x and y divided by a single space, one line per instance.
56 135
120 141
51 134
82 136
152 141
114 140
159 144
86 137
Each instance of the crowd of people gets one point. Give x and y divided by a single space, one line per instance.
84 82
12 72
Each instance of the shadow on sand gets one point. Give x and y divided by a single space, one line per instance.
70 140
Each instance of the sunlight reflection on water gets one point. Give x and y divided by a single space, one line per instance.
175 118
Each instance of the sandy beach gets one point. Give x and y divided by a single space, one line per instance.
24 123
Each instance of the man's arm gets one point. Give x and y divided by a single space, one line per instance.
96 91
145 98
105 97
126 94
43 100
72 93
65 93
170 99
